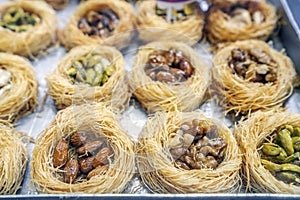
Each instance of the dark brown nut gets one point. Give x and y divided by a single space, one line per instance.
78 139
60 153
186 66
182 165
178 152
86 164
71 171
210 162
90 147
212 132
178 73
208 150
165 77
178 58
101 157
97 171
239 55
170 56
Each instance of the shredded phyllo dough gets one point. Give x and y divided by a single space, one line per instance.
18 87
24 24
13 159
153 25
188 153
100 22
60 153
270 146
169 74
230 21
90 74
249 75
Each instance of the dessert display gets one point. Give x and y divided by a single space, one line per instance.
100 22
270 145
229 21
13 159
169 76
90 74
250 75
84 150
188 153
184 25
18 87
24 24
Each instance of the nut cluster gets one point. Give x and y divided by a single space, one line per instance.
253 65
196 145
82 156
281 156
176 14
17 19
94 70
100 24
5 81
169 67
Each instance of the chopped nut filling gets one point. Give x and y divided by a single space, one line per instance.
195 146
169 67
99 23
17 19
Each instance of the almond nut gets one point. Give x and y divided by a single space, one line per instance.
60 154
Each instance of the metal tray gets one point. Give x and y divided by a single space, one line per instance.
133 119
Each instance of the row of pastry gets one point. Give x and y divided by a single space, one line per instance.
29 27
85 150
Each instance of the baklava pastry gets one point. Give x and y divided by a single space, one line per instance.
100 22
188 153
18 87
169 76
27 27
249 75
13 159
58 4
90 74
240 20
270 142
84 150
185 26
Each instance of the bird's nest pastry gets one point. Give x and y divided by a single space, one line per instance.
270 143
100 22
84 150
90 73
18 87
241 20
58 4
13 159
188 153
186 26
27 28
169 75
250 75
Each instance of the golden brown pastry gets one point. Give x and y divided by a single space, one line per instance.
18 87
240 20
270 146
169 76
100 22
153 27
250 75
13 159
188 153
27 27
58 4
90 74
84 150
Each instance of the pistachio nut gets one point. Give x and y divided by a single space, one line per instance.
286 141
